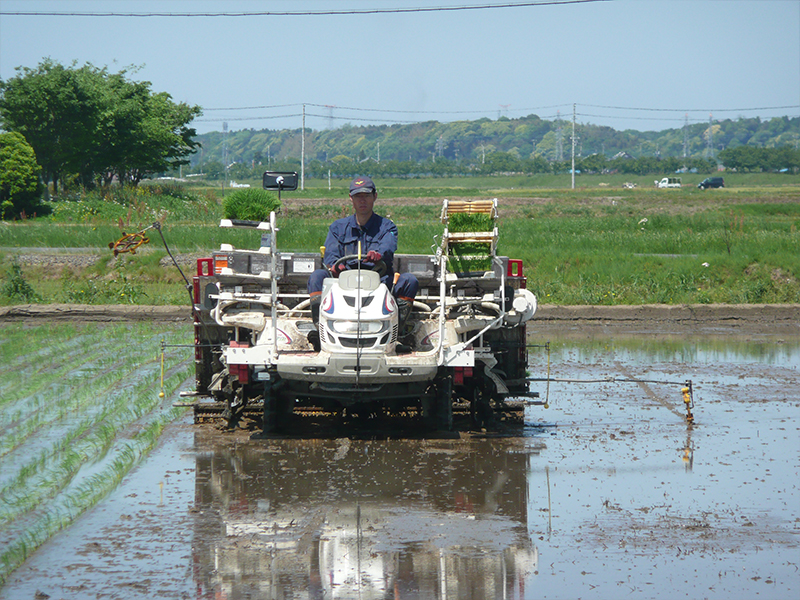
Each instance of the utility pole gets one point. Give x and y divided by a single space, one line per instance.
574 139
303 152
224 155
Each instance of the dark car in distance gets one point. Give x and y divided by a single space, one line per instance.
711 182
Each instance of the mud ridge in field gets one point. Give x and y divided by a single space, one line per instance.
699 318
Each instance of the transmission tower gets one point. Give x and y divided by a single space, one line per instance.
710 138
225 145
685 138
559 138
574 141
330 108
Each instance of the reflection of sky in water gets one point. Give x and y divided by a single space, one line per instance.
776 352
714 506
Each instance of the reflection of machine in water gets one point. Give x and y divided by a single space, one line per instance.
360 519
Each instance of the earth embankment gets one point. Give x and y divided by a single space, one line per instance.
717 318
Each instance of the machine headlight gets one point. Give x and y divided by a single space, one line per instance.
353 327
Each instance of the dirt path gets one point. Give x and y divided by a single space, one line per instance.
576 320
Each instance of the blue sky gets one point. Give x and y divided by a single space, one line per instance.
628 64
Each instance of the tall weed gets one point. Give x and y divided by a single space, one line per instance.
16 287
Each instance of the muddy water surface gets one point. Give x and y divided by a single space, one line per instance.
608 493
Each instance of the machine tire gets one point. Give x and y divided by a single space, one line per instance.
444 404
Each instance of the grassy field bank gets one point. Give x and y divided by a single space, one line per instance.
594 245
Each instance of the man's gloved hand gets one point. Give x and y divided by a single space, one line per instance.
336 269
373 256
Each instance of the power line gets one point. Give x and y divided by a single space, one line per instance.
668 119
383 110
692 109
516 110
257 107
331 117
299 13
262 118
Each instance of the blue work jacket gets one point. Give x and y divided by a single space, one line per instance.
379 234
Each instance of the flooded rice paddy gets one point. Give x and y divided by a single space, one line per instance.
608 493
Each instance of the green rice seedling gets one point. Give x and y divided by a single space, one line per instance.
15 336
107 383
89 441
466 222
470 257
55 356
85 491
249 204
34 410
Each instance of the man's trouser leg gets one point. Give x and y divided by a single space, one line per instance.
405 290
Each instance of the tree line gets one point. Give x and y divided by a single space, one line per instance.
494 163
749 159
527 144
90 127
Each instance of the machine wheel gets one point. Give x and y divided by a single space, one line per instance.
481 409
234 410
444 404
278 408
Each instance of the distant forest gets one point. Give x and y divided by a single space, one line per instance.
528 144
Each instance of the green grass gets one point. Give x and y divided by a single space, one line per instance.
709 256
595 245
522 185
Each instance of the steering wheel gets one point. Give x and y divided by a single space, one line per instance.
379 267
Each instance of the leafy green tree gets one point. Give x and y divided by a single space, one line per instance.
213 170
55 108
96 126
594 163
162 139
742 158
408 149
20 187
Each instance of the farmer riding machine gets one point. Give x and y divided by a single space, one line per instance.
462 350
